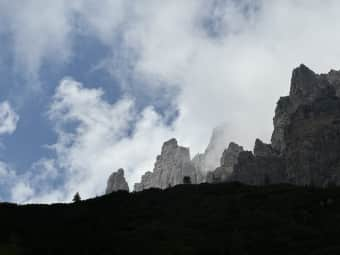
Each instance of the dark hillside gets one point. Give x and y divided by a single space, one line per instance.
187 219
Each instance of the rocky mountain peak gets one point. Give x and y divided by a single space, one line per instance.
117 182
169 145
306 136
262 149
171 166
307 86
303 149
229 156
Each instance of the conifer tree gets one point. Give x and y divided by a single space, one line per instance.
76 198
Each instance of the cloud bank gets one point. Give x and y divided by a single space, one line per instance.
96 137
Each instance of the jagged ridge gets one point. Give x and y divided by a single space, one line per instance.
303 150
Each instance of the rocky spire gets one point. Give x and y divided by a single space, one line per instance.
116 182
172 165
262 149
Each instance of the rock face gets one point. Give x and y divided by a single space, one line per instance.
305 142
313 142
170 168
259 170
116 182
228 160
262 149
146 182
304 148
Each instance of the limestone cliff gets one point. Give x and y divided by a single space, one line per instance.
305 142
116 182
172 165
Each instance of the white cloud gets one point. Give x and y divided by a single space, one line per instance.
96 137
5 171
8 118
7 178
39 30
237 76
21 191
44 31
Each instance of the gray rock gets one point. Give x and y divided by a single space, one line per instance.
199 163
281 120
116 182
170 168
313 142
262 149
306 86
306 137
334 78
146 182
304 144
228 160
259 170
137 187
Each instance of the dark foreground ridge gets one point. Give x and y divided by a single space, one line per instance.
187 219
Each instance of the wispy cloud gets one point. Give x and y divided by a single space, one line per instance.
96 137
8 118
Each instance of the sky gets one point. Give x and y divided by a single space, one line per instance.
87 87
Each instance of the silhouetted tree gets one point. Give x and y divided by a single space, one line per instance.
186 180
76 198
266 180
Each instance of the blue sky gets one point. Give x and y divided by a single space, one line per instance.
89 88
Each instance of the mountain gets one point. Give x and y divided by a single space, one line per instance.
303 150
291 207
305 143
174 163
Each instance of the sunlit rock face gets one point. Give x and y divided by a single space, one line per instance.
117 182
146 182
172 165
228 160
305 143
